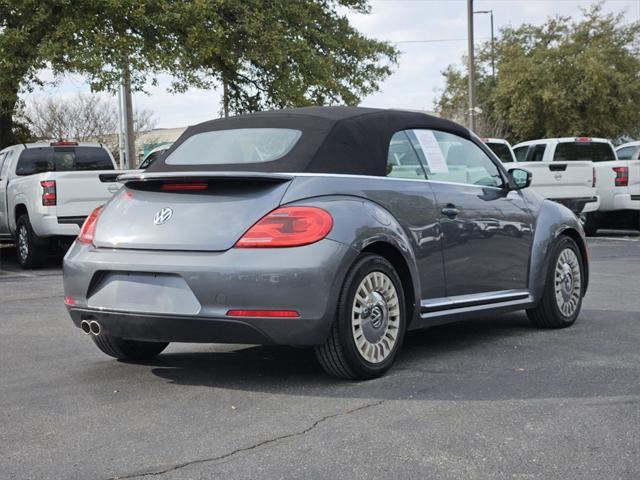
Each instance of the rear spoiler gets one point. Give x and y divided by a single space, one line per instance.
203 176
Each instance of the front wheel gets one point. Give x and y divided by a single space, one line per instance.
123 349
370 324
562 298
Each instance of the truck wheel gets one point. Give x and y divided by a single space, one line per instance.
123 349
589 223
31 249
370 323
562 297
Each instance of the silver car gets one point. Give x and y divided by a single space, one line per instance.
336 228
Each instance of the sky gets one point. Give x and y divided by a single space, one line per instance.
430 34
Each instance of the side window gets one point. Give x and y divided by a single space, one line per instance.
537 153
402 161
626 153
450 158
521 153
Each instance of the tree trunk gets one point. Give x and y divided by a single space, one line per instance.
6 130
7 109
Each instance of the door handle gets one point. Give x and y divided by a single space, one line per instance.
450 211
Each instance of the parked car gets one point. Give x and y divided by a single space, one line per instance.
337 228
572 185
153 155
617 182
46 192
502 149
629 151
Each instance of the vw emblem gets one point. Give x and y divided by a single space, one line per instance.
162 216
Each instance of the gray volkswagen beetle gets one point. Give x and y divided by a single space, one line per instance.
336 228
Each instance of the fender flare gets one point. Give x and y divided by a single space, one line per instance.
553 221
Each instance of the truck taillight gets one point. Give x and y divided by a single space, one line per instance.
622 176
49 197
88 229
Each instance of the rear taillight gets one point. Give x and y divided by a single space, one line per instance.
288 227
593 178
622 176
177 187
88 229
264 313
49 196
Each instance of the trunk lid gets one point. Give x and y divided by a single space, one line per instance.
155 211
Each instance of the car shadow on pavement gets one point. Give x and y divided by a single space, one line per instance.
9 262
497 358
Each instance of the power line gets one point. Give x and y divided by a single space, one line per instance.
436 40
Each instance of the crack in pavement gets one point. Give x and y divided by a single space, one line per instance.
178 466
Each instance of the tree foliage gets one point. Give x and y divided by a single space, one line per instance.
563 78
268 53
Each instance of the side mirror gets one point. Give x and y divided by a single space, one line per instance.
521 177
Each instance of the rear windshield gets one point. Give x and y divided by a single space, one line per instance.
596 152
241 145
502 151
63 159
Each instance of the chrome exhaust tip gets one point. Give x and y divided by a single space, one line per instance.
85 326
94 327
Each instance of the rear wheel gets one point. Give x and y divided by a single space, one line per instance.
562 298
370 323
123 349
31 249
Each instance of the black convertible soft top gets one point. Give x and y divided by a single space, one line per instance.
338 140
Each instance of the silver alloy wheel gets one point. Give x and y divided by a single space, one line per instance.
568 283
23 242
375 317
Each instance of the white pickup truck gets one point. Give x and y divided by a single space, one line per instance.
47 190
569 183
617 182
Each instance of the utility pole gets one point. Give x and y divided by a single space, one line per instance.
225 97
129 135
472 80
121 152
493 43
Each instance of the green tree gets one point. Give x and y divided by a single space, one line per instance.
562 78
268 53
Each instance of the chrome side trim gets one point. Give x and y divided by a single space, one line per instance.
473 300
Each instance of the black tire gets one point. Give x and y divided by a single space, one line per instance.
123 349
339 356
547 313
31 250
589 224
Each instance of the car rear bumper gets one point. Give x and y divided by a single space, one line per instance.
580 205
620 201
203 287
50 226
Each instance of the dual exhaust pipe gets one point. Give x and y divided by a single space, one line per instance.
90 327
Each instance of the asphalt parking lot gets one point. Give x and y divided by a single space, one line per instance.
489 399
